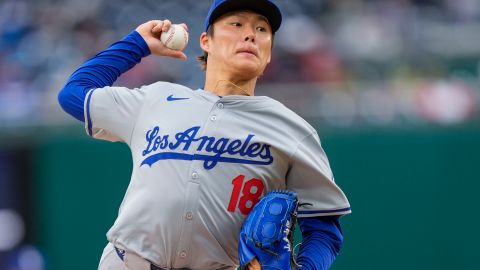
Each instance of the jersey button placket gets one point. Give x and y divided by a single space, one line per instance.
219 106
184 243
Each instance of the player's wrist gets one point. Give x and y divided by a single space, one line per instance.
140 41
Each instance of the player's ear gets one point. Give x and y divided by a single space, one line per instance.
204 42
269 57
271 50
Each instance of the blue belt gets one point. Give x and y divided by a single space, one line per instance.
121 254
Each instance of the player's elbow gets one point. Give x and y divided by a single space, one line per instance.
323 229
336 235
336 242
71 103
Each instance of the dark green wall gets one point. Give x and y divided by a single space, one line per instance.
79 188
414 198
412 194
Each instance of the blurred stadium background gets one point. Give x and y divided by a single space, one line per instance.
393 87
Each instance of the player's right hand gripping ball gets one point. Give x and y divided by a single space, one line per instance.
267 233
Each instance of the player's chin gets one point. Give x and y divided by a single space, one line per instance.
250 68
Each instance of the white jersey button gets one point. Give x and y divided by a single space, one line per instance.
213 117
183 254
194 175
189 215
220 105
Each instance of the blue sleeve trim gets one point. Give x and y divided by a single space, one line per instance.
100 71
89 118
322 241
347 209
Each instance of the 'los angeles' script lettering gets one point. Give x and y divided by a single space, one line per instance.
213 150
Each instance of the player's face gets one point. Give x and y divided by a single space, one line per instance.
242 44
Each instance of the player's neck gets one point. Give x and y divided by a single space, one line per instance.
223 85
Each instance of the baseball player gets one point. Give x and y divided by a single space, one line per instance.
202 158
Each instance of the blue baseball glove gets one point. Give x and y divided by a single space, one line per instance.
267 233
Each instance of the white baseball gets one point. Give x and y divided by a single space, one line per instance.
176 38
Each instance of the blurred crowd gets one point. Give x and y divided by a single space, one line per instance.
341 62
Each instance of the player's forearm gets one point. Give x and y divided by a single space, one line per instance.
100 71
322 240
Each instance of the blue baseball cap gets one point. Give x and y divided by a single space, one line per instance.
263 7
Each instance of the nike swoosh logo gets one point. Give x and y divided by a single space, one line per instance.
172 98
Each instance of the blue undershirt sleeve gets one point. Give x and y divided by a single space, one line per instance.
101 70
322 240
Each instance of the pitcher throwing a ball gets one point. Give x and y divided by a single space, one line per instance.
203 158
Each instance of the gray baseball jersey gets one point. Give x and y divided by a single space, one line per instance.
200 163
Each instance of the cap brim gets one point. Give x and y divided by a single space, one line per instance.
262 7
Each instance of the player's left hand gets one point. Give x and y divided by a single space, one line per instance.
151 31
254 265
266 236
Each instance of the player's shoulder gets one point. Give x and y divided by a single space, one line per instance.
162 90
162 86
291 118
